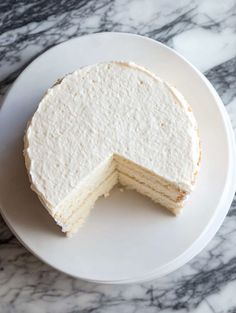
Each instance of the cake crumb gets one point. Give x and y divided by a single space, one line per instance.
106 194
121 189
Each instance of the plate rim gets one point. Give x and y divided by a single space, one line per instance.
191 252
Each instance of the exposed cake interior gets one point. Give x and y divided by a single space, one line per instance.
72 212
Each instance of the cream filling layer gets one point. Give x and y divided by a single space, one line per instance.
150 182
147 174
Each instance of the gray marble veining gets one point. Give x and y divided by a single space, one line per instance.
204 32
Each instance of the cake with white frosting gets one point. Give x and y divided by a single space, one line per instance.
105 124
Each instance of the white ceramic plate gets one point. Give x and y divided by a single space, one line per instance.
127 238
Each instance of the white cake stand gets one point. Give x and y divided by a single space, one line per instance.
127 238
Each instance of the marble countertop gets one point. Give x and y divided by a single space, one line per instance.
205 33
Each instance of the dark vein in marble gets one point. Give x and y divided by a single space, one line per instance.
39 11
190 292
6 240
7 81
223 77
232 211
5 234
35 11
173 28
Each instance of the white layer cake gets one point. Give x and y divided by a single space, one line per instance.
108 123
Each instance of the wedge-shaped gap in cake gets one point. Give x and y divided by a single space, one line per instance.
72 212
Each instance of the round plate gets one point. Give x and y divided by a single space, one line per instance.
127 238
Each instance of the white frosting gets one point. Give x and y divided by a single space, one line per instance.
103 109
